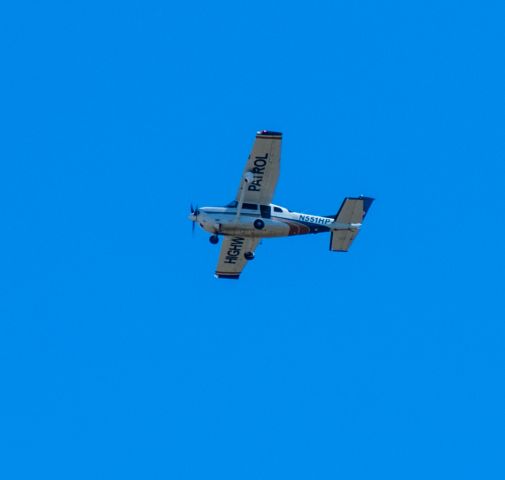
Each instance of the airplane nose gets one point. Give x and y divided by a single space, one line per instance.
191 217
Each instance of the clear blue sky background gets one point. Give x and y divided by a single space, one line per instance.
122 357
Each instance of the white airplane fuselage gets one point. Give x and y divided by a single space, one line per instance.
265 221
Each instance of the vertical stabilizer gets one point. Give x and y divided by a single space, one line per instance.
352 212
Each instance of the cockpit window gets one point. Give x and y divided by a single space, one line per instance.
232 204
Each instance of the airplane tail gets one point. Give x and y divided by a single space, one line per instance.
350 216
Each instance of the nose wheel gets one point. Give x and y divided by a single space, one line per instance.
213 239
249 255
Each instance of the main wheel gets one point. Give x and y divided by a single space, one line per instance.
213 239
259 224
249 255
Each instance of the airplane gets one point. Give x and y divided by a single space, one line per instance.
252 217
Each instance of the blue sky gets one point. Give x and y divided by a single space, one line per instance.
122 357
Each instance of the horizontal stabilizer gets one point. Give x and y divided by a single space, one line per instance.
341 240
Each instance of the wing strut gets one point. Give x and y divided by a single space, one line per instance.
247 178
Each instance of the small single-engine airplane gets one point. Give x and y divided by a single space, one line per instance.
252 216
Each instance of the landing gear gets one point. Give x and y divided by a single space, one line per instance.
213 239
249 255
259 224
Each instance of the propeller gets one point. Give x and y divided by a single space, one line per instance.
195 212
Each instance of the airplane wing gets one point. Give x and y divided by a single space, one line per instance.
264 164
231 259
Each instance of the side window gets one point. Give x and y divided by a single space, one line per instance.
265 211
250 206
277 209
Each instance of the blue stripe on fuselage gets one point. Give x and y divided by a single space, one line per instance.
313 226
